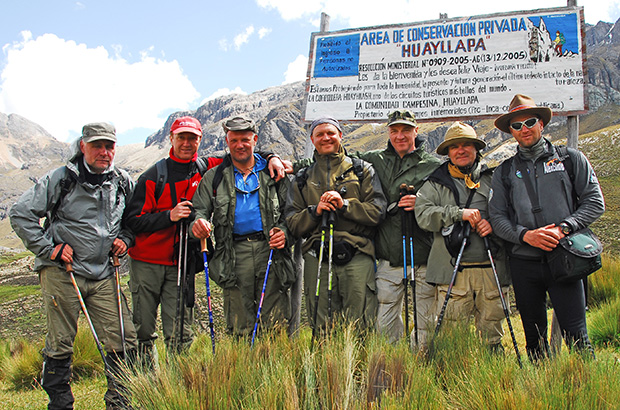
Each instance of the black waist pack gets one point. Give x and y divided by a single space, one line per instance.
342 252
577 256
453 237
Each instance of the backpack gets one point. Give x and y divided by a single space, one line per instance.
68 182
162 174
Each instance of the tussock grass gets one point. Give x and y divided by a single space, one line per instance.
604 285
345 371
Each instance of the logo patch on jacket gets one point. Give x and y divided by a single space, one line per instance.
553 165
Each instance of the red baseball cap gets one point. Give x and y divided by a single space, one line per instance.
186 124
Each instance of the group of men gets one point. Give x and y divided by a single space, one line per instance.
350 210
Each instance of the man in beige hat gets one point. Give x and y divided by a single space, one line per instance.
570 199
457 193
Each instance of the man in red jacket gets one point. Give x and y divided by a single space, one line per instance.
153 214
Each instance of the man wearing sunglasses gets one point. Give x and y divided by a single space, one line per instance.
245 206
569 201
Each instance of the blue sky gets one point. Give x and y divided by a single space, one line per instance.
132 63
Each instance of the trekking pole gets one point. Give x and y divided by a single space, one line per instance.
116 263
404 225
108 371
466 230
411 191
318 275
262 297
331 219
180 311
503 300
203 247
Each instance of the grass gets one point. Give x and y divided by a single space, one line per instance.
348 371
9 257
11 292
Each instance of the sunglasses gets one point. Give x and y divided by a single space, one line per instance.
529 123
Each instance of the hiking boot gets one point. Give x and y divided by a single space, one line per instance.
55 381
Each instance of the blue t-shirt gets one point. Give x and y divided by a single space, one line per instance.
247 210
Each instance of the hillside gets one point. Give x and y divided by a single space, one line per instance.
27 151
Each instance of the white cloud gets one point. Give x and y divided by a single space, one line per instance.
358 14
221 92
296 70
263 31
243 37
62 85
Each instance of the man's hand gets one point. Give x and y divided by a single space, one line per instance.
288 166
180 211
119 247
483 228
277 170
67 253
201 228
330 201
545 238
407 202
277 238
472 216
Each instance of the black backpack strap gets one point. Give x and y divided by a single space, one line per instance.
66 185
202 165
358 168
219 173
162 177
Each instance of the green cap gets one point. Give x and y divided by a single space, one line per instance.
98 131
402 117
240 124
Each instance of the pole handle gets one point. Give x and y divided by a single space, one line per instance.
115 262
69 267
203 245
402 189
331 217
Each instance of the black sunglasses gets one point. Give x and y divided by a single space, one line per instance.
529 123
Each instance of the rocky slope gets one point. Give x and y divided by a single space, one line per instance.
27 151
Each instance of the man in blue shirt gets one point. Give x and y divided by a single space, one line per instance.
245 207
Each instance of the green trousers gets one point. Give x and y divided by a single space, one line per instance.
354 292
241 301
154 286
62 308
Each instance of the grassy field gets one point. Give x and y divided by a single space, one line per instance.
348 371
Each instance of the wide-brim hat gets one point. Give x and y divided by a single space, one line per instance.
460 132
522 104
240 123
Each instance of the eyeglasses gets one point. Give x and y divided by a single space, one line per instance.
240 183
529 123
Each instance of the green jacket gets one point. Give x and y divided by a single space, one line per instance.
221 208
355 223
436 208
393 171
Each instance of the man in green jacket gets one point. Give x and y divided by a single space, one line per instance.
246 206
403 161
350 189
457 193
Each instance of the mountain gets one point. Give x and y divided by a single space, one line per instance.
27 151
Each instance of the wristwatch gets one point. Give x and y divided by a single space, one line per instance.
565 228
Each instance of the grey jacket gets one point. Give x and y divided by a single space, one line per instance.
510 207
436 207
88 219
